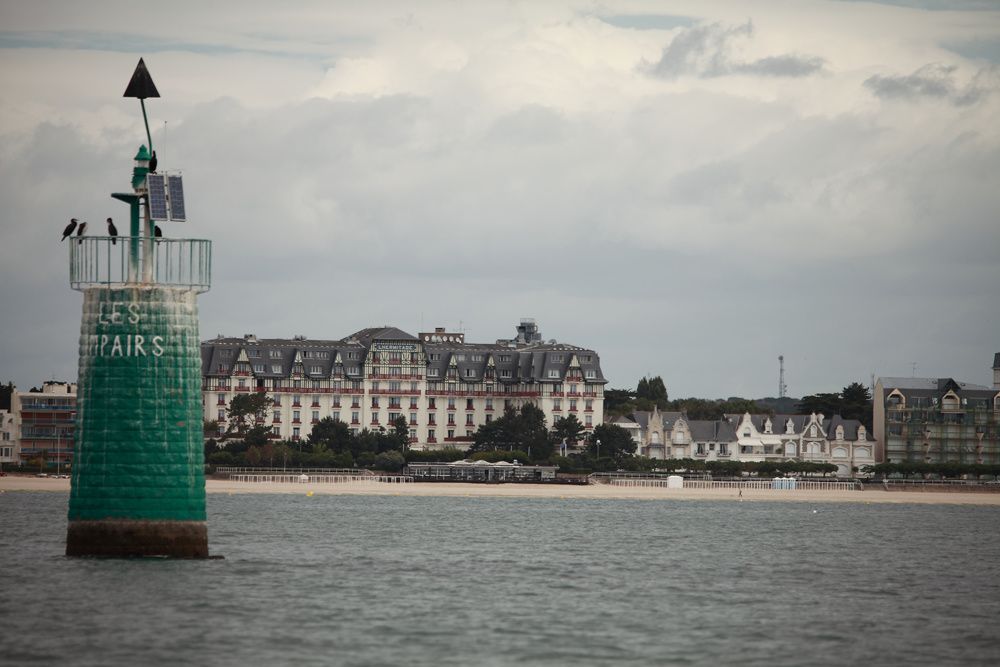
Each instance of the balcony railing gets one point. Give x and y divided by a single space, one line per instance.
97 261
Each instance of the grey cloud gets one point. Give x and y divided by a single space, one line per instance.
785 65
937 81
705 51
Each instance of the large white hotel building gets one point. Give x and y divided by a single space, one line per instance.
444 387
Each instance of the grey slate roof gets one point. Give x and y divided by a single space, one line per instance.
716 430
526 363
926 384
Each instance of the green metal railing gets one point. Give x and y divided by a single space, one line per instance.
103 261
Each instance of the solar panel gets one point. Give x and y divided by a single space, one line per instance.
176 189
157 196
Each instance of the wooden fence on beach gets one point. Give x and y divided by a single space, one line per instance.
319 479
750 484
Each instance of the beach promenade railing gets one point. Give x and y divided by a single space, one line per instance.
750 484
319 479
240 470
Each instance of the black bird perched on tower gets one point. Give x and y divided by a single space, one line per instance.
69 229
152 163
112 232
80 230
157 232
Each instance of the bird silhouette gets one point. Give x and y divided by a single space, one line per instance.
112 232
152 163
157 232
80 230
69 229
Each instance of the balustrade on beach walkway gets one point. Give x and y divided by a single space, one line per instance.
750 484
318 479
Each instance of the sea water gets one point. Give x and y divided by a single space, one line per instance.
396 580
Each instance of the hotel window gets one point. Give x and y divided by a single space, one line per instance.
557 404
431 419
275 368
504 357
413 403
242 384
572 405
336 416
588 405
431 403
275 354
468 420
557 357
413 417
276 416
352 355
434 356
470 373
296 399
276 400
554 373
432 372
296 415
276 430
315 399
489 403
315 370
588 421
505 373
469 434
258 368
469 404
477 357
354 417
295 433
459 357
315 417
225 353
489 418
222 415
395 386
374 401
430 434
297 383
393 416
451 419
590 375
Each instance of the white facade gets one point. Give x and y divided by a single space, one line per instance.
844 443
8 437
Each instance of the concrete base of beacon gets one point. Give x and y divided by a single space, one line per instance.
119 538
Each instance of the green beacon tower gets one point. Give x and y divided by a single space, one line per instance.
138 483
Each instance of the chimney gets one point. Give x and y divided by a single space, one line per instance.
996 371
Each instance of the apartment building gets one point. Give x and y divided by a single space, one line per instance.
443 386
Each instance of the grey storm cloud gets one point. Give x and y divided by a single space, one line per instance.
935 80
705 51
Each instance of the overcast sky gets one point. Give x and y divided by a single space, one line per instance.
689 188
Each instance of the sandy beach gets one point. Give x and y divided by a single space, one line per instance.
567 492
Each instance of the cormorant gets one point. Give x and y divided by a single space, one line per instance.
112 232
157 232
69 229
80 230
152 163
